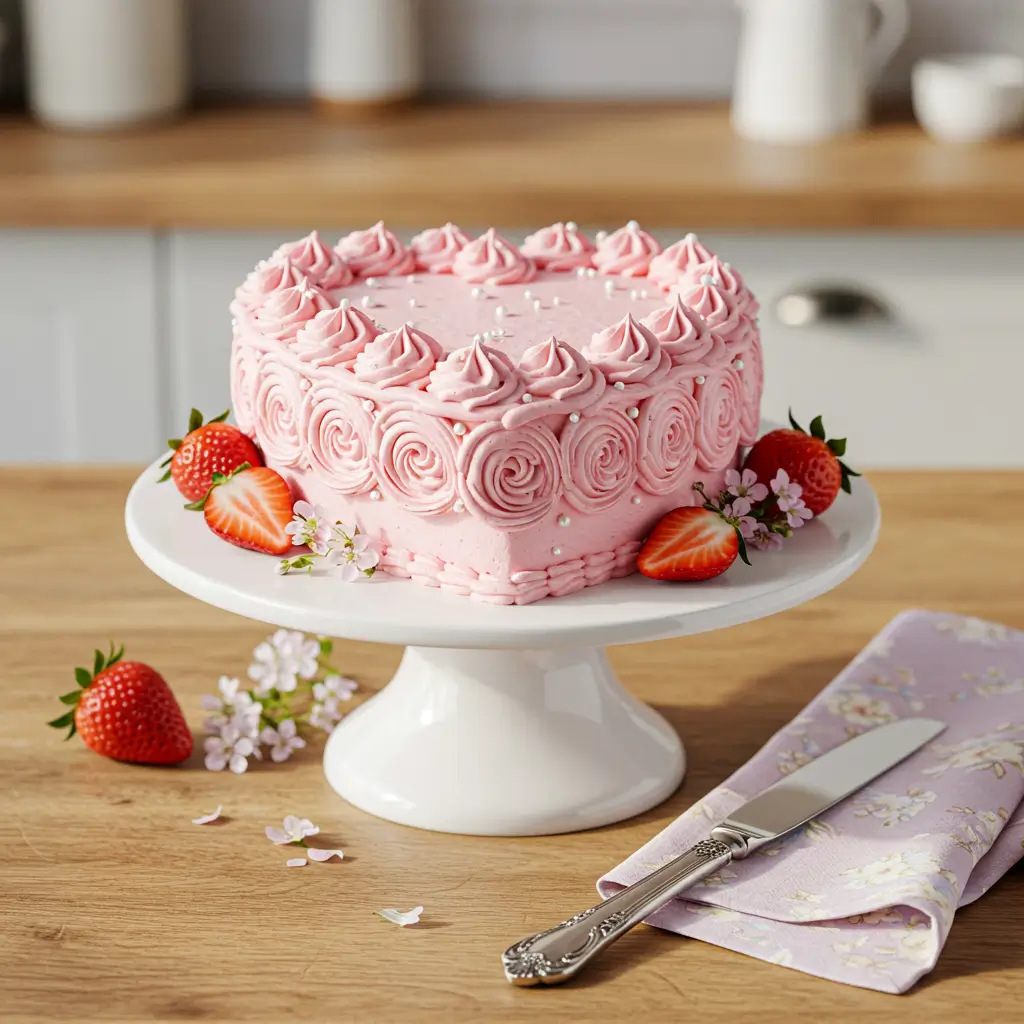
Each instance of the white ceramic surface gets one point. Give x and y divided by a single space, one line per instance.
805 67
500 721
969 97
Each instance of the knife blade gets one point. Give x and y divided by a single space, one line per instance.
555 955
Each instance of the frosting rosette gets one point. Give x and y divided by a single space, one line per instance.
720 401
269 276
559 247
510 478
276 414
376 252
668 431
402 358
493 260
334 337
599 453
286 310
629 353
748 350
628 251
243 384
684 336
436 248
668 267
476 377
337 431
553 369
727 280
716 308
322 265
414 459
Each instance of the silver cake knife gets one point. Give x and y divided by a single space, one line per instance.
557 954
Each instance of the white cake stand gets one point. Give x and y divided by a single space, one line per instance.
500 720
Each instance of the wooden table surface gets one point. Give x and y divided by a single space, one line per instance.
114 907
666 165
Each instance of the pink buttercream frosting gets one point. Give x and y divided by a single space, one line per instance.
748 351
684 336
244 375
436 248
402 358
628 251
269 276
553 369
287 309
727 280
322 265
716 308
668 267
510 478
559 247
276 413
337 429
493 260
414 458
720 401
600 457
668 430
376 252
629 353
334 337
477 376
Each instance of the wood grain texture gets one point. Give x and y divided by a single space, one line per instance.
517 164
113 907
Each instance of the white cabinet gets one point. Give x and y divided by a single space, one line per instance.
78 347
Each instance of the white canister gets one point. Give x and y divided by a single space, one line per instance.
364 52
105 63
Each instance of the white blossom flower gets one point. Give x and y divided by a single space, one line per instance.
233 705
228 750
796 513
763 539
399 917
325 715
784 489
333 685
745 485
279 663
282 740
356 557
310 526
295 830
205 819
892 867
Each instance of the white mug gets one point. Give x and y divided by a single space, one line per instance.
805 67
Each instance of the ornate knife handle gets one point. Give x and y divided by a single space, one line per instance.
556 955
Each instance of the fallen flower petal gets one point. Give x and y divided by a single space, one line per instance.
295 831
324 855
399 917
205 819
295 862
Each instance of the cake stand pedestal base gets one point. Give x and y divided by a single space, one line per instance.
504 742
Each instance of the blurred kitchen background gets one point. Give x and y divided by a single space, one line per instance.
152 151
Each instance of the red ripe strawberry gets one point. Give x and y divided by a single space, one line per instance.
810 460
216 447
693 543
125 710
249 507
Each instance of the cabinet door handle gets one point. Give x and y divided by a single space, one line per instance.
831 304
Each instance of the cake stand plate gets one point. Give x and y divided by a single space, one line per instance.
500 720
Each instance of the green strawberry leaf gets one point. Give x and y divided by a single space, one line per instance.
82 677
71 698
165 477
174 444
68 718
837 446
742 547
198 506
326 645
793 423
115 656
221 418
98 661
195 420
818 428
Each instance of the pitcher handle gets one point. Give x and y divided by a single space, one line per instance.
889 33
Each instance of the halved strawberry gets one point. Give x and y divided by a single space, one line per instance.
214 447
249 507
693 543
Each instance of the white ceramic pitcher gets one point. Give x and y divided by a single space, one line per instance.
805 67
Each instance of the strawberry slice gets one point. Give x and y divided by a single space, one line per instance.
251 508
693 543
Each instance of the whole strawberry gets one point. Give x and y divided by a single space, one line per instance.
810 460
125 710
214 447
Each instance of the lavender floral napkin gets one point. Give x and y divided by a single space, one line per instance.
866 894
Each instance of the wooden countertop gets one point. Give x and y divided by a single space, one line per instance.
113 907
517 164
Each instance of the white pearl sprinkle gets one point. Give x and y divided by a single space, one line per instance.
305 385
459 428
574 417
500 312
368 404
556 551
633 225
601 236
412 279
458 505
371 282
738 364
570 225
477 338
556 300
234 322
635 499
591 272
700 378
345 303
609 288
581 271
709 281
564 520
498 332
366 302
528 295
537 307
643 293
486 335
375 495
412 303
477 293
633 294
633 412
703 319
527 398
619 386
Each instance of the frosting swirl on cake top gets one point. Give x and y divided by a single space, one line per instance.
668 267
683 335
288 308
628 353
334 337
559 247
376 252
476 376
627 251
436 248
323 266
493 260
399 358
